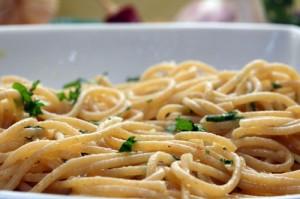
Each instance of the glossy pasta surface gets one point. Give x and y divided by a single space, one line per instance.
182 130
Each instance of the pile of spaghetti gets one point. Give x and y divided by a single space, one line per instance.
178 131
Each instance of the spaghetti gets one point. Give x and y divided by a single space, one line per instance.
180 131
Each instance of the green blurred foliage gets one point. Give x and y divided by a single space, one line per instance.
282 11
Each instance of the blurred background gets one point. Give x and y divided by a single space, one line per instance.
111 11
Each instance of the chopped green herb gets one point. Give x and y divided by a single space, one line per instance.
95 122
33 107
74 92
182 124
128 108
276 85
34 85
175 157
127 145
84 154
133 79
253 106
149 100
224 117
73 95
83 131
200 128
207 151
61 96
225 161
33 127
25 94
74 83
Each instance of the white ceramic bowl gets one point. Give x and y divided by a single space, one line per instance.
56 54
59 53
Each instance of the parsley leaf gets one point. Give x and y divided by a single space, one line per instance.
176 158
199 127
133 79
61 96
127 145
225 161
73 95
34 85
74 83
74 92
233 115
33 107
33 127
149 100
95 122
182 124
25 94
276 85
83 131
128 108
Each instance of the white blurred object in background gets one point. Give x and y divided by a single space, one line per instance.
223 10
